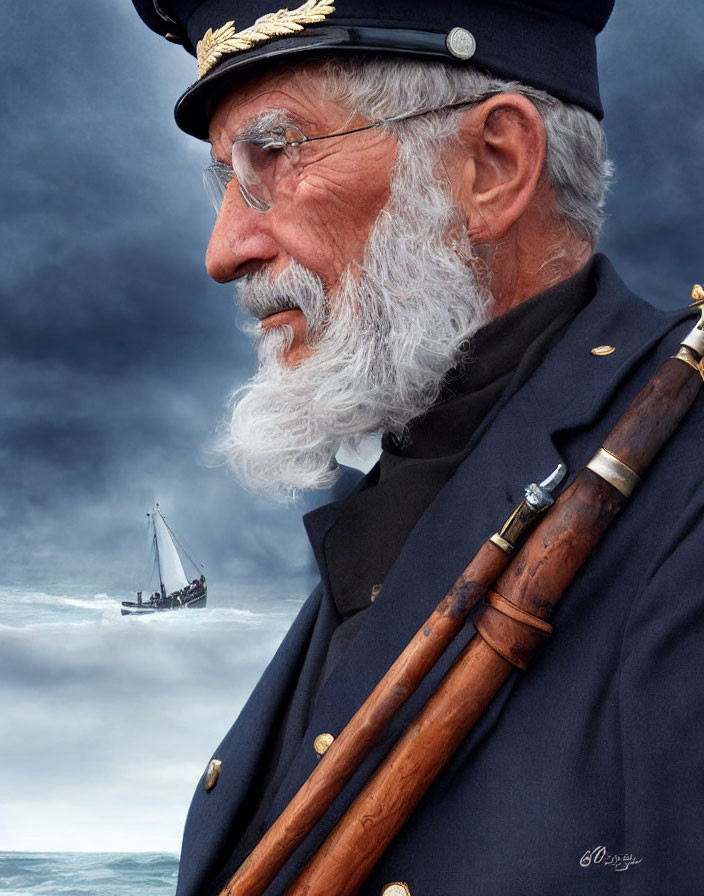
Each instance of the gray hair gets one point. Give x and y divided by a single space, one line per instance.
577 166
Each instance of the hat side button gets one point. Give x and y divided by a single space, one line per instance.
461 43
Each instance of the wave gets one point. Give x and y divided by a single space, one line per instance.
248 606
87 874
113 718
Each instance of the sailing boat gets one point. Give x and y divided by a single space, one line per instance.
175 592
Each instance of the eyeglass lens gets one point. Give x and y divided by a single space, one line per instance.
258 165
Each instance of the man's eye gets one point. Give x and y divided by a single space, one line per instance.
271 144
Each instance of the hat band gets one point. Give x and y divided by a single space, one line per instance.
493 49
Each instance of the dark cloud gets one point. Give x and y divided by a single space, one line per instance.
651 65
117 352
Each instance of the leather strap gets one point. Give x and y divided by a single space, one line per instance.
514 633
505 606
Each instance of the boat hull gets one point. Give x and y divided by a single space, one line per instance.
148 607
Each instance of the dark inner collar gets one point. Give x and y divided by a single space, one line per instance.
495 353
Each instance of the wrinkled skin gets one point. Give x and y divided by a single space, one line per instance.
323 219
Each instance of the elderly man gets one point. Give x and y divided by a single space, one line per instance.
409 200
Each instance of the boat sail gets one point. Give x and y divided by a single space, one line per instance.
176 591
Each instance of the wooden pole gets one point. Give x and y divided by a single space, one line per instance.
362 732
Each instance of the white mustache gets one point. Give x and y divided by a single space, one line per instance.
261 295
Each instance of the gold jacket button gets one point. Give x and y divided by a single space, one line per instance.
396 889
212 773
322 742
601 350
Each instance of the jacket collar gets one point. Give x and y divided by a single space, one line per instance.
570 391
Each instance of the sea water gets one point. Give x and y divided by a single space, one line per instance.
87 874
107 723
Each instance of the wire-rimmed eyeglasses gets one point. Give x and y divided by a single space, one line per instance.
263 159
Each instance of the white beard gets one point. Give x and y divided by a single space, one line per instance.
383 342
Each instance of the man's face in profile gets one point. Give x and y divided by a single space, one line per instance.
324 196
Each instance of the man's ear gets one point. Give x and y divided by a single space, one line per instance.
504 145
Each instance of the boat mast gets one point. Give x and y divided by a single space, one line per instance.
162 590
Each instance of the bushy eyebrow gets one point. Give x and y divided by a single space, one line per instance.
264 123
261 126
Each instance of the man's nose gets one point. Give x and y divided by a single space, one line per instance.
240 242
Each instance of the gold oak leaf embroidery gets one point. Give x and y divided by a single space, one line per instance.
225 40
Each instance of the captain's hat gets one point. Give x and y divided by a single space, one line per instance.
548 44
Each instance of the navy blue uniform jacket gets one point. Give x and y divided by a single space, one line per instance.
597 751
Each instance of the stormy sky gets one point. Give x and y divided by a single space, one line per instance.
117 354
